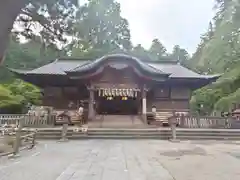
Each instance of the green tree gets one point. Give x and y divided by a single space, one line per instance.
140 52
8 100
26 56
16 95
180 54
100 28
30 93
219 53
157 50
52 16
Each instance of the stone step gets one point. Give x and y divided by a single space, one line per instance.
105 137
164 112
140 137
144 129
108 133
186 134
105 133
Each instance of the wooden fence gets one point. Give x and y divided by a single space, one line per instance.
18 139
28 120
205 122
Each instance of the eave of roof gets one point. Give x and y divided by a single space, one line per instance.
57 67
18 71
177 71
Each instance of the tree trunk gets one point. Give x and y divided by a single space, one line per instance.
9 10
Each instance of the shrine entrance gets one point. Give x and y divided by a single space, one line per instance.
118 102
118 106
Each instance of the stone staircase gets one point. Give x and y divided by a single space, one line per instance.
116 121
163 116
141 133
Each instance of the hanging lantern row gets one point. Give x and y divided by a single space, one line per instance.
118 92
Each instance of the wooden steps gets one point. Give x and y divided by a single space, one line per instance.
163 116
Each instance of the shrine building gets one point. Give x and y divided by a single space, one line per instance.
117 84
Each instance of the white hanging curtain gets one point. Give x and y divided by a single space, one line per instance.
117 92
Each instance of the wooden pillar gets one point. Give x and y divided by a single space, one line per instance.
91 114
144 105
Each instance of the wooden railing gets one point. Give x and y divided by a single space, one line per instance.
29 137
204 122
18 139
28 120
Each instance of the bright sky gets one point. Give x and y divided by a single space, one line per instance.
172 21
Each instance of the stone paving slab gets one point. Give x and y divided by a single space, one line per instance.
125 160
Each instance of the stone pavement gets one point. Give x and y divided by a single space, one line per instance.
125 160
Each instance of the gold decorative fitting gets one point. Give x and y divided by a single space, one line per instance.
124 98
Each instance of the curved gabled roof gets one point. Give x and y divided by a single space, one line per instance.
113 58
154 69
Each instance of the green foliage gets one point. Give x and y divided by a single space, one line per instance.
227 103
217 96
8 100
100 28
180 54
51 19
26 56
218 52
203 100
16 95
157 50
29 92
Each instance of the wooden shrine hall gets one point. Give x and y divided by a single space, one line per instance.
117 84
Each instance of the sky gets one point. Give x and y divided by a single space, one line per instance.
171 21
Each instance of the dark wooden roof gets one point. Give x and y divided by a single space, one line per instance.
116 58
62 67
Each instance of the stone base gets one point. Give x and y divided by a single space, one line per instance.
13 156
63 140
144 118
156 123
174 140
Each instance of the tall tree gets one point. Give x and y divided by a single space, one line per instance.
220 54
140 52
100 27
50 14
27 56
179 54
157 50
